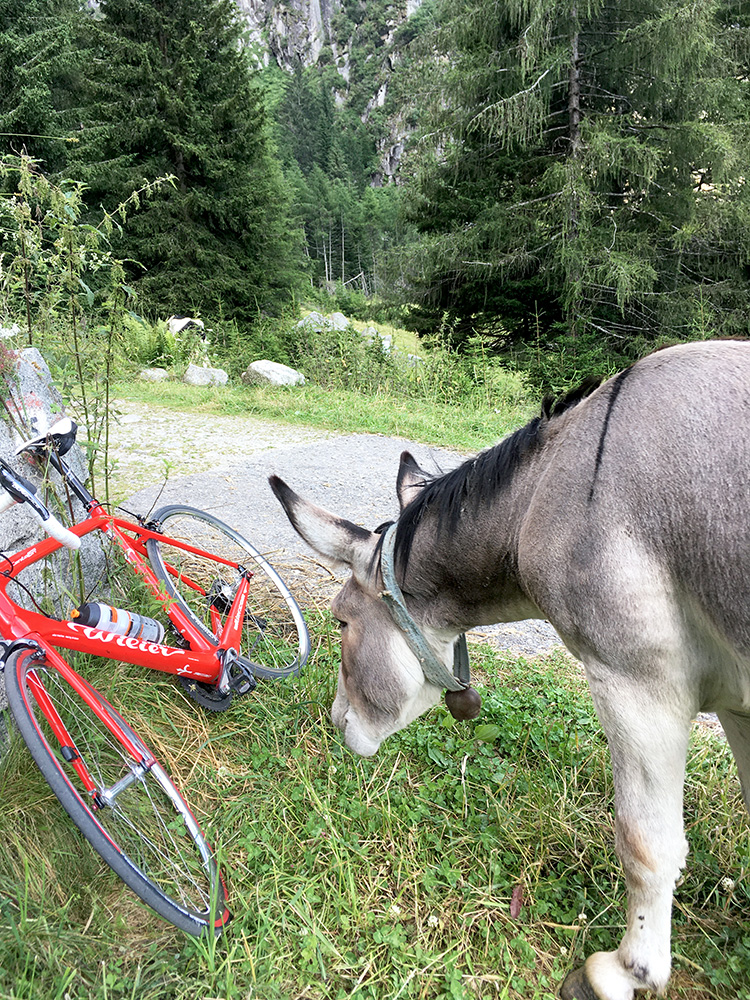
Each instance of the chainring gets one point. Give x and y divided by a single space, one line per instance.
208 696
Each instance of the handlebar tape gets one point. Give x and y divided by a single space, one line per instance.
20 490
60 533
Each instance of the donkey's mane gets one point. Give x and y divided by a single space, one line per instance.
478 480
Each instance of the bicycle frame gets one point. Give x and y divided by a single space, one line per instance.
135 750
202 662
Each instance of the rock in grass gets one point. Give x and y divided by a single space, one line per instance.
196 375
271 373
154 374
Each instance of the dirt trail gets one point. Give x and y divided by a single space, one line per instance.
149 442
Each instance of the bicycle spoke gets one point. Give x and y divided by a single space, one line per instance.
138 822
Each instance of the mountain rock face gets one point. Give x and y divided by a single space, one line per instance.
358 38
290 33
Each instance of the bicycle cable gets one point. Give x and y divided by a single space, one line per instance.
131 513
28 593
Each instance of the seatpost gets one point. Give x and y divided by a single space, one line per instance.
84 495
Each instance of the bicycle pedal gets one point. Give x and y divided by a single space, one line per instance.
243 682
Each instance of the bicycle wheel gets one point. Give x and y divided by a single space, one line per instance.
134 816
275 641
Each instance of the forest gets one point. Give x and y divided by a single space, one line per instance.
570 192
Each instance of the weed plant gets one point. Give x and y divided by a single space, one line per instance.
59 278
465 860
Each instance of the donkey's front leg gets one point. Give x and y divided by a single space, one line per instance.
648 736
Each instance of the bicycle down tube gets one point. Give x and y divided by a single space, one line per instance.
200 661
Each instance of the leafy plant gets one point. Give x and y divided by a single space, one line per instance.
61 283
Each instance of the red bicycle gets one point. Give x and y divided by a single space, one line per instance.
229 617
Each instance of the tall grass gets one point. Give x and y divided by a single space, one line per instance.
377 879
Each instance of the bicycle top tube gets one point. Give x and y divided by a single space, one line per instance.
202 661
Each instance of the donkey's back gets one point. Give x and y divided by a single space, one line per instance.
637 541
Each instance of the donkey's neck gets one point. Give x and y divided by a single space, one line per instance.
463 563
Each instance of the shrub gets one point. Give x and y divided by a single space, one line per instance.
346 359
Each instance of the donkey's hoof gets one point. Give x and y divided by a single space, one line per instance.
577 986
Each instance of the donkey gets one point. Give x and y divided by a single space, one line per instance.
620 514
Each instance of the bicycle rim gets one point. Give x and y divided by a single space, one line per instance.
275 641
143 828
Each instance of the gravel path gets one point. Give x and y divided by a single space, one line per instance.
353 475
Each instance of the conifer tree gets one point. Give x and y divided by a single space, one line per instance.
172 94
330 160
40 64
587 165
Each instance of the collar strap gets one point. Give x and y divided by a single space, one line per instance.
434 670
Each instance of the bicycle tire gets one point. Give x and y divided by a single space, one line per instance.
147 833
275 641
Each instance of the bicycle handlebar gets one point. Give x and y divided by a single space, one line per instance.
20 490
60 533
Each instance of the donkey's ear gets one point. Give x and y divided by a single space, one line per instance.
410 479
338 542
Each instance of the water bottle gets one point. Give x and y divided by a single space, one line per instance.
98 615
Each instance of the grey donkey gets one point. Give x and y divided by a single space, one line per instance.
620 514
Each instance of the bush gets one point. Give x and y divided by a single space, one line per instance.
357 305
346 359
560 363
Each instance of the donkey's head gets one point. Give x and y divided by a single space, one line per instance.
382 686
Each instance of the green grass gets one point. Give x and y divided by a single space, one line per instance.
470 426
377 879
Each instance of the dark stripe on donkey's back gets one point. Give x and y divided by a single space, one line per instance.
617 383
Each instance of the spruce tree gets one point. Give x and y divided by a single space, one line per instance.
586 170
40 66
172 95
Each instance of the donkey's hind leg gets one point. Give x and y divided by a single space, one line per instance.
737 729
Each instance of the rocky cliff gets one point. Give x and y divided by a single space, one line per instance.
359 39
291 32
